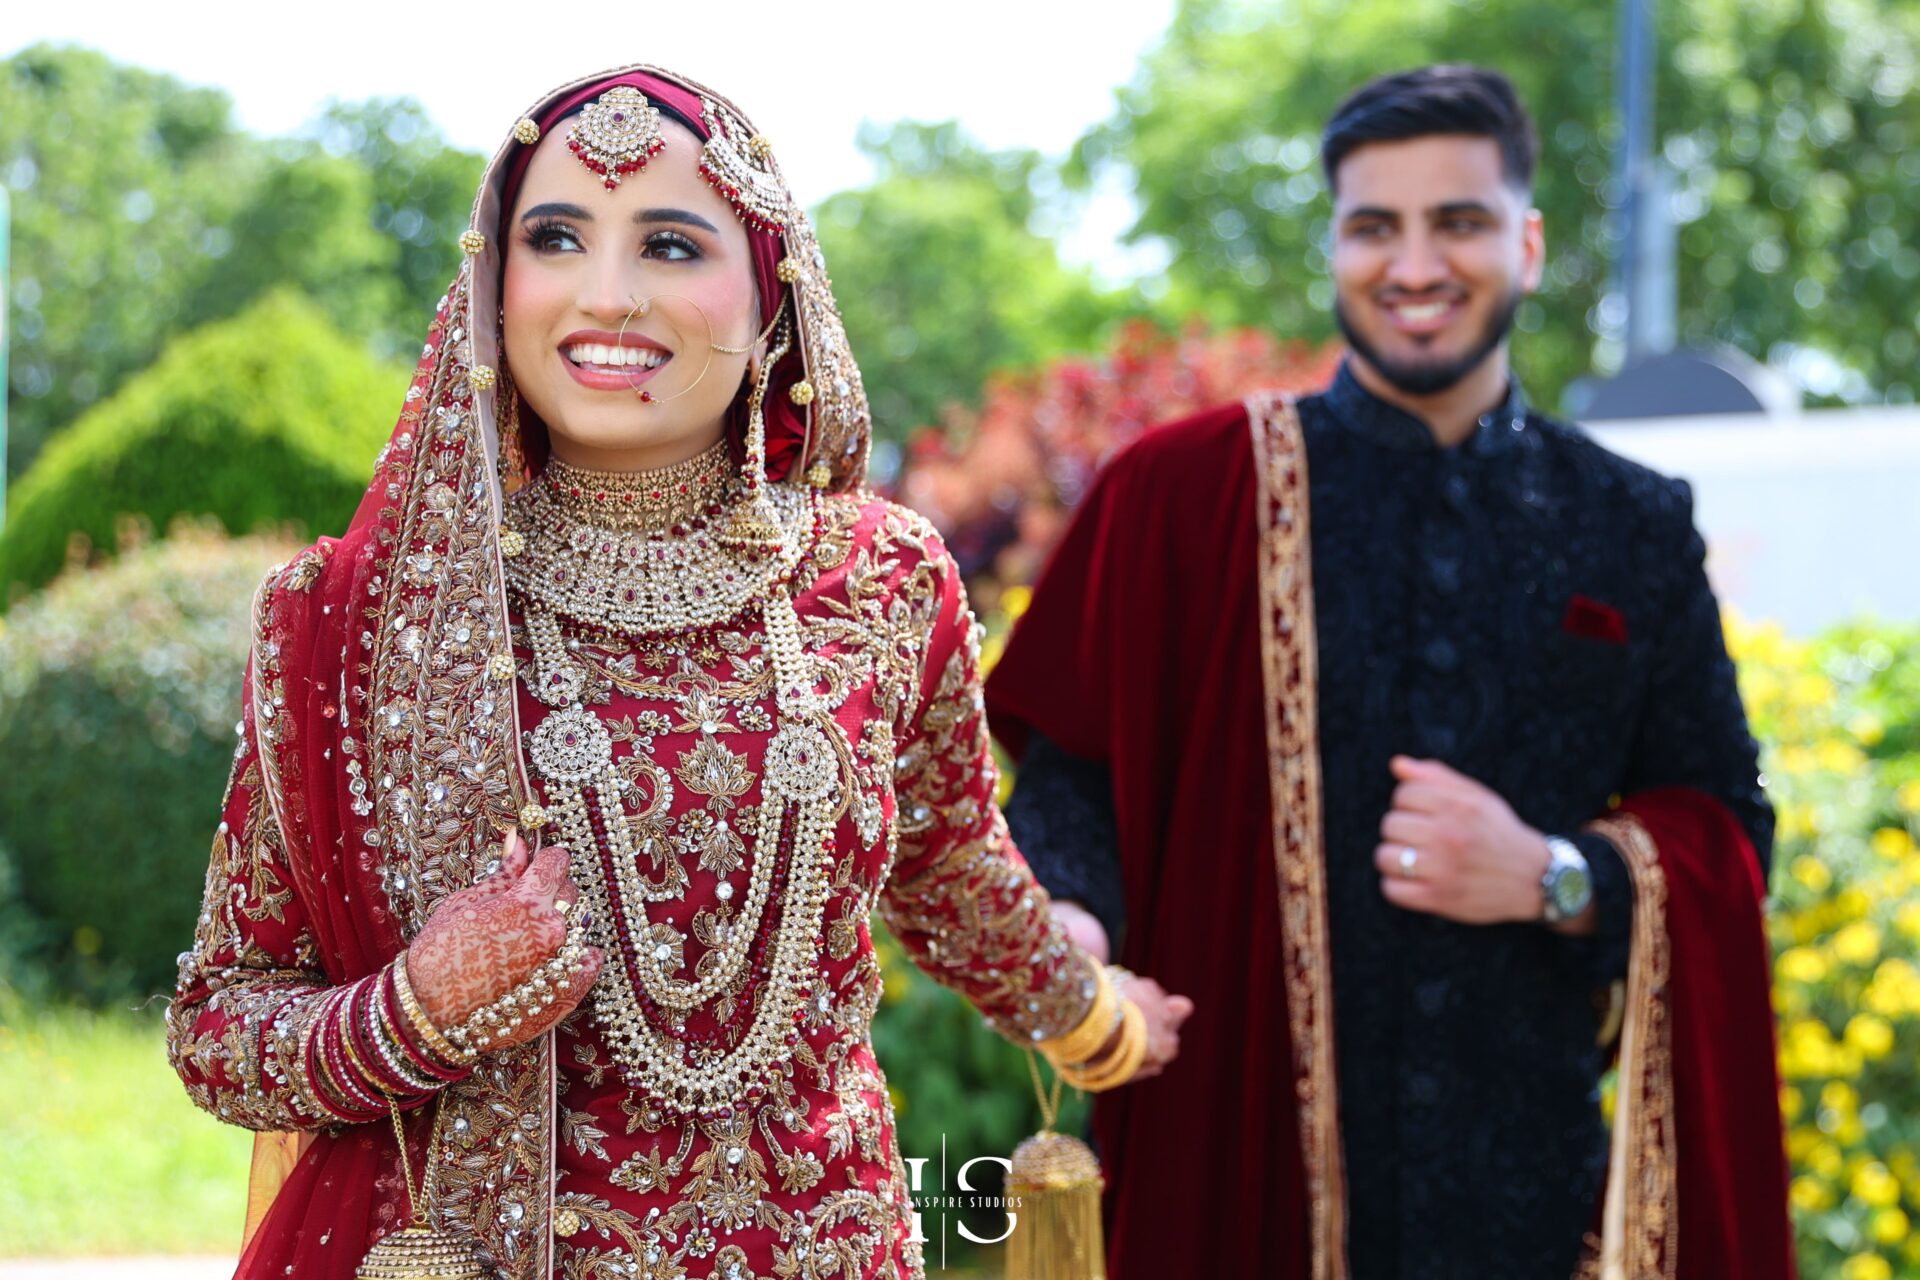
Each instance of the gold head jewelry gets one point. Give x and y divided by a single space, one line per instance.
617 133
743 170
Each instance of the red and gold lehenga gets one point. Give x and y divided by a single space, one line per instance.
748 752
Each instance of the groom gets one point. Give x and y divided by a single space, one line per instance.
1396 728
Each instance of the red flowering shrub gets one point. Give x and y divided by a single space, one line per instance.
1000 483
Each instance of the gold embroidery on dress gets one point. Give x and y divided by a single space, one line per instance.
1289 665
1641 1222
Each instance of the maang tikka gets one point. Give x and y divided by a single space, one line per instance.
617 133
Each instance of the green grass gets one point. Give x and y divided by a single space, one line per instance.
100 1151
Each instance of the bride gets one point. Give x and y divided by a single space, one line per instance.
535 936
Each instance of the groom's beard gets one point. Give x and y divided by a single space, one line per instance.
1428 377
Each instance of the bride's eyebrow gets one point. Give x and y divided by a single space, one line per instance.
685 217
556 209
561 209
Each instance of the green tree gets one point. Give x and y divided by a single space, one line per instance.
139 211
942 275
255 433
1792 129
422 196
122 184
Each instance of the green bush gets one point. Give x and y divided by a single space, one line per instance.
119 688
269 418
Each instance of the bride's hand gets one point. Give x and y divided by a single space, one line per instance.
1164 1014
484 941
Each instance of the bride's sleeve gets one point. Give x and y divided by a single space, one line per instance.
257 1032
960 898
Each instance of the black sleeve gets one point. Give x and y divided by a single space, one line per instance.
1693 727
1061 817
1602 957
1692 730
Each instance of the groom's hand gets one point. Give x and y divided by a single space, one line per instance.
1474 861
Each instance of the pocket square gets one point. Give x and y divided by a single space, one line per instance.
1594 620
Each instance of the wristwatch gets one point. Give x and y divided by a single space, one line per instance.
1567 886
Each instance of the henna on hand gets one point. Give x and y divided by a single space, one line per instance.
485 940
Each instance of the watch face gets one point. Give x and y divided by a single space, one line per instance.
1571 891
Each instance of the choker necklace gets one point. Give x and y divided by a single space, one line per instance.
579 552
648 501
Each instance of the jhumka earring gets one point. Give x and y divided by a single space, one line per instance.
617 134
756 525
512 467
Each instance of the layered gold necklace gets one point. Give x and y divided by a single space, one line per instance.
640 556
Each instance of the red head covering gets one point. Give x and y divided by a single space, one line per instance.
786 426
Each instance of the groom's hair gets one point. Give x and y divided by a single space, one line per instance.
1447 99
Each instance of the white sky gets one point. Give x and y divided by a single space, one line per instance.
1029 73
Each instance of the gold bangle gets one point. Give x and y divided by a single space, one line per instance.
1119 1066
417 1018
1091 1032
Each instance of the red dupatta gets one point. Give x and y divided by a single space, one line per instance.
387 729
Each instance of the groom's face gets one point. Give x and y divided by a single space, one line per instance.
1432 249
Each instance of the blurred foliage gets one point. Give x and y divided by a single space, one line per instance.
122 183
267 418
1791 129
1841 716
118 691
941 276
1001 480
140 210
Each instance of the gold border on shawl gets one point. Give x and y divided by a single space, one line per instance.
1640 1226
1289 664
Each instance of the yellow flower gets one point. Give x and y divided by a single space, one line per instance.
1793 758
1802 964
1791 1101
1875 1186
1014 601
1825 1160
1838 756
1890 1226
1810 689
1907 919
1858 943
1812 873
1908 796
1838 1095
1866 1266
1810 1195
1870 1035
1868 728
1892 843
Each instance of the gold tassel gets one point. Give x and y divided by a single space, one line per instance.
1055 1184
420 1251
